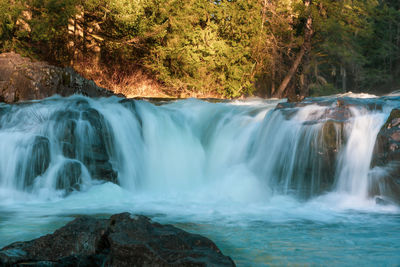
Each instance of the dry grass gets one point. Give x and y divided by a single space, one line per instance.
133 81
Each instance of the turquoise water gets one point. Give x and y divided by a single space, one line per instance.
281 231
369 240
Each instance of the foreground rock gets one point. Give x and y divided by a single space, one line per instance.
386 160
121 240
22 79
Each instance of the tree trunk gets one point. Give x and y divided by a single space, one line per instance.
264 11
305 48
291 73
344 75
273 78
273 70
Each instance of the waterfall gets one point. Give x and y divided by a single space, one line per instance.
291 154
242 151
354 160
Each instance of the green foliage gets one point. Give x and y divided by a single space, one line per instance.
221 47
324 89
204 46
358 37
8 23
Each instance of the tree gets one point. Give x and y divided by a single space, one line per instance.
203 47
305 48
10 11
224 48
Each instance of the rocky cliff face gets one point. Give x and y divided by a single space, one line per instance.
386 160
122 240
23 79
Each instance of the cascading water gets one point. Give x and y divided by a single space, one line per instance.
355 159
225 165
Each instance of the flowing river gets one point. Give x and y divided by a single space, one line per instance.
270 186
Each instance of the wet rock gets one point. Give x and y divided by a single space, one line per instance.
23 79
386 188
96 150
39 161
383 201
387 146
65 125
315 167
67 138
387 155
332 139
367 103
80 237
337 109
90 144
121 240
316 170
131 105
69 177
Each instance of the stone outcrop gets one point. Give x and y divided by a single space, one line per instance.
386 181
79 134
331 119
121 240
387 147
92 148
22 79
69 177
40 152
337 109
384 184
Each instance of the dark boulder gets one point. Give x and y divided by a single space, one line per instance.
315 170
64 126
90 144
96 151
69 177
121 240
387 146
22 79
39 159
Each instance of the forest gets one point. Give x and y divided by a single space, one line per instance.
218 48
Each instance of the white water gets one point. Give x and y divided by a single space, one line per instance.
354 161
238 168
